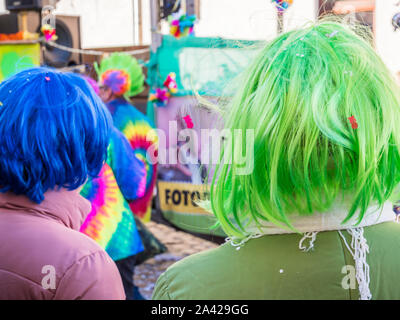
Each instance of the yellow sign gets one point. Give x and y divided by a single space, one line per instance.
181 197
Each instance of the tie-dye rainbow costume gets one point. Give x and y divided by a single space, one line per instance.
141 135
111 222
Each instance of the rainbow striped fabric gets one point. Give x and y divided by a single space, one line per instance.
111 222
141 135
118 80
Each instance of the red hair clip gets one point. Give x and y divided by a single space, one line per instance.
353 122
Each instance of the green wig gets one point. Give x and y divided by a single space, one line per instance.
325 110
122 73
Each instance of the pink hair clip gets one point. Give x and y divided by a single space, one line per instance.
189 122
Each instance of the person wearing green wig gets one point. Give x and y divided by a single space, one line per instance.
314 219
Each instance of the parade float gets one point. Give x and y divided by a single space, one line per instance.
186 72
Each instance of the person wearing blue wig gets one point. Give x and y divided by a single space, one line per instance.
54 134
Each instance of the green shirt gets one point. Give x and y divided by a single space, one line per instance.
273 267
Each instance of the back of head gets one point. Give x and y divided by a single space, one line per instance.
54 132
324 110
122 74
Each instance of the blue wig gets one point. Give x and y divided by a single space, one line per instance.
54 132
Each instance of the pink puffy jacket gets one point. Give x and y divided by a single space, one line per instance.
44 256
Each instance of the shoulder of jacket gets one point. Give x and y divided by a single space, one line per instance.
161 290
